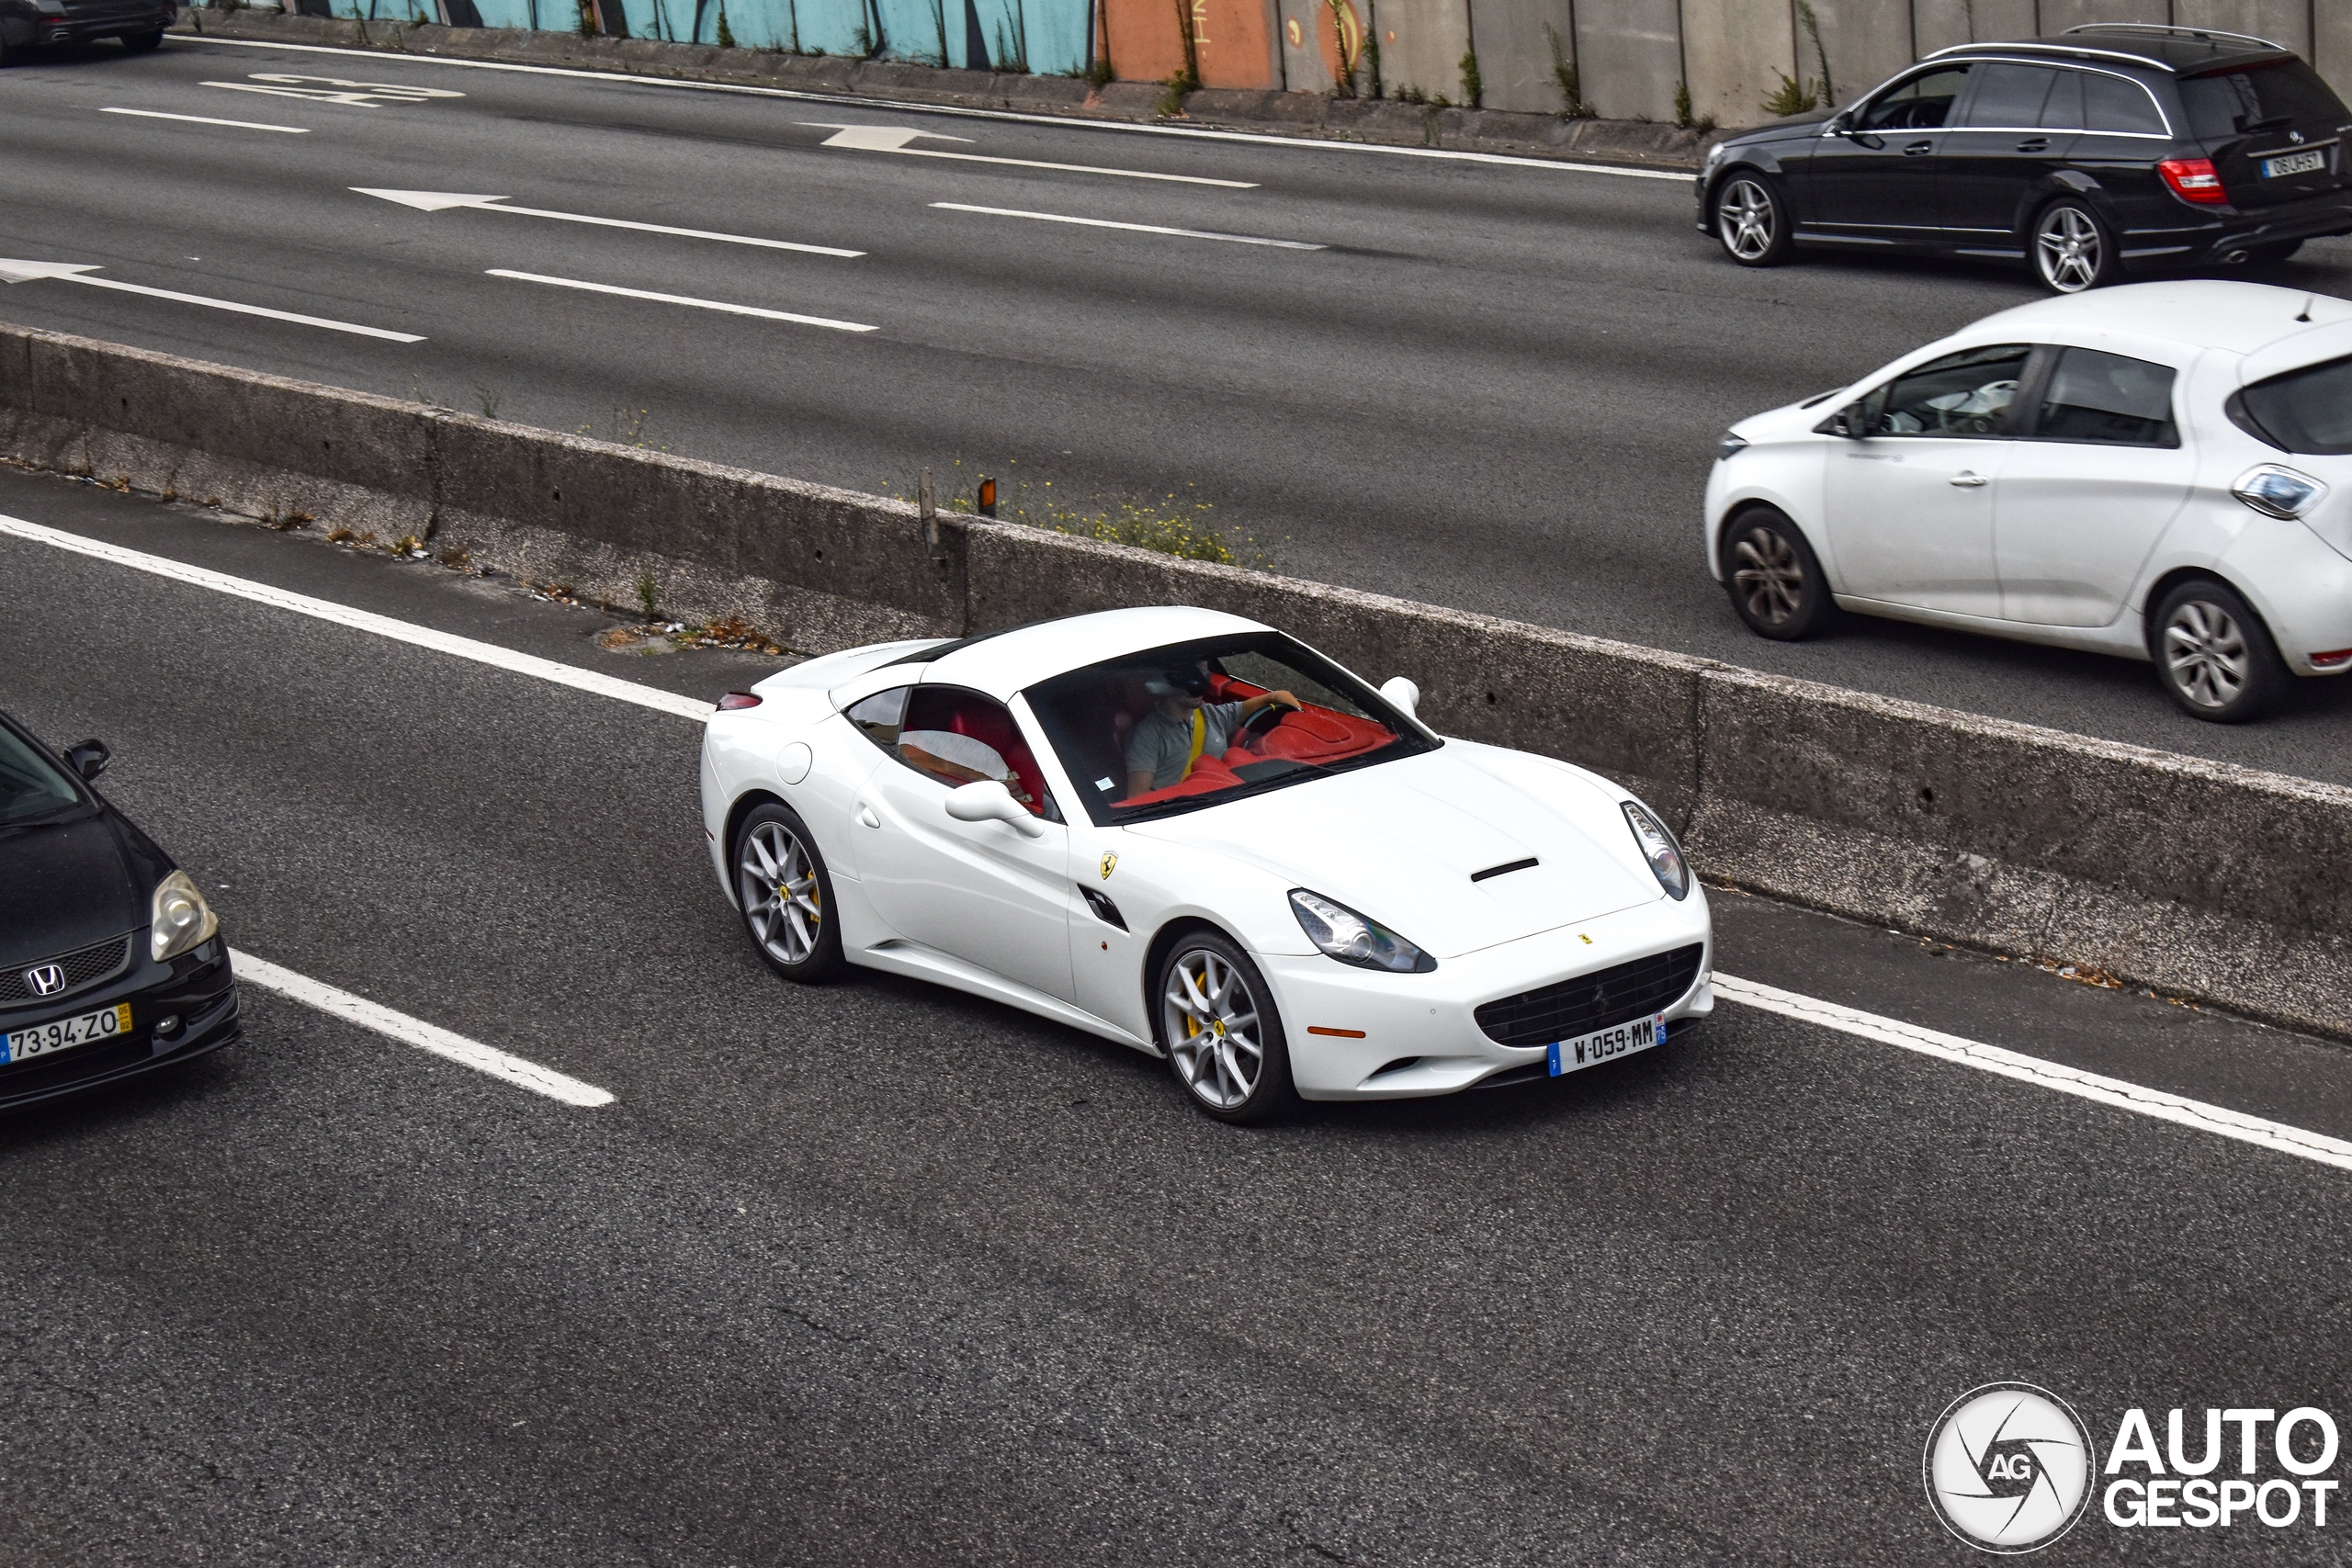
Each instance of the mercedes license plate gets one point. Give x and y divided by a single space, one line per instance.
1607 1044
2294 164
41 1038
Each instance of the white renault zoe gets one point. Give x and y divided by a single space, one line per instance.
2162 472
1192 834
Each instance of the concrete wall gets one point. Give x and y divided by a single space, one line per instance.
2197 878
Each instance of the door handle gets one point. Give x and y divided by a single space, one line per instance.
2034 145
1967 480
1917 148
866 814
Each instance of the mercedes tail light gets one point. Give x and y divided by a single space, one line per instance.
2193 179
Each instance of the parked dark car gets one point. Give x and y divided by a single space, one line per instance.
26 25
2110 148
111 963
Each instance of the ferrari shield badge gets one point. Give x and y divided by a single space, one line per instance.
1110 864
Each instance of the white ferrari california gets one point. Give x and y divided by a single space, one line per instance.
1192 834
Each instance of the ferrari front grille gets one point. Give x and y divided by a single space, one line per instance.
1569 1008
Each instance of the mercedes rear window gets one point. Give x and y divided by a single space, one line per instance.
2307 411
2277 95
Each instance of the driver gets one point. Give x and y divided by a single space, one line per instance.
1182 728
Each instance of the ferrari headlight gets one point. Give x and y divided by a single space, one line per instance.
1659 848
1347 936
181 917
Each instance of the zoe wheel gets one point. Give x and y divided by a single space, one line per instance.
2072 249
1223 1035
1774 578
2214 655
785 895
1752 221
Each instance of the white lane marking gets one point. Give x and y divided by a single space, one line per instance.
1014 116
1136 228
894 139
207 120
2215 1119
442 201
337 90
71 272
362 620
681 299
415 1032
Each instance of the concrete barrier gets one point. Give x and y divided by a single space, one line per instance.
2194 878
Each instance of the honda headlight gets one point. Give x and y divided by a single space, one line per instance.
1347 936
180 918
1659 848
2278 492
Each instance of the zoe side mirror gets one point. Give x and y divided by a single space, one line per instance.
89 757
989 801
1848 421
1400 693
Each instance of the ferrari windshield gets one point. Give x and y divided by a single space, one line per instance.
1176 728
30 789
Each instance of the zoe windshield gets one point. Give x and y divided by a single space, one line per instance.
1176 728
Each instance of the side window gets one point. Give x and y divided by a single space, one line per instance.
877 717
960 738
2063 110
1923 103
1966 394
2107 398
2009 98
2119 104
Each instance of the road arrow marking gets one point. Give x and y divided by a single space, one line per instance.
68 272
681 299
1138 228
442 201
894 139
207 120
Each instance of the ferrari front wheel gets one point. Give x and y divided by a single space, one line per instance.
1224 1038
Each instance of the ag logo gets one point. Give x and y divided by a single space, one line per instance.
2009 1467
1110 864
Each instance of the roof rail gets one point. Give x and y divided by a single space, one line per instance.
2209 34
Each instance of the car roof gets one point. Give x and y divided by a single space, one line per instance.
1005 663
2177 53
2193 314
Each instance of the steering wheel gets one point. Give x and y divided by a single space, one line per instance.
1260 724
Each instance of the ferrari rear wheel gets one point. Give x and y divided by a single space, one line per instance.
1224 1038
786 895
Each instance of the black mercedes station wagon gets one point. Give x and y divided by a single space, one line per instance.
2110 148
111 963
26 25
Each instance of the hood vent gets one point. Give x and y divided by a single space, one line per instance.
1505 869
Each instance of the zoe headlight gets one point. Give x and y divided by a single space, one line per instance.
180 918
1729 444
2278 492
1347 936
1659 848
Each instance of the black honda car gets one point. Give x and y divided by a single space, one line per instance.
111 963
27 24
2109 148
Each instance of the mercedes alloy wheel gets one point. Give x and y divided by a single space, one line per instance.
1751 222
2070 249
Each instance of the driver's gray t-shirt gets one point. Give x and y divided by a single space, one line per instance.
1161 746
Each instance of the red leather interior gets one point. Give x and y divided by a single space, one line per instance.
965 713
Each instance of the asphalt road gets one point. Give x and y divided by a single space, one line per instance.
873 1273
1497 389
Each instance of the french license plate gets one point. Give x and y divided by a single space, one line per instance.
1607 1044
2294 164
42 1039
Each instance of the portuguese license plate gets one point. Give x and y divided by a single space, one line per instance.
1607 1044
2294 164
43 1039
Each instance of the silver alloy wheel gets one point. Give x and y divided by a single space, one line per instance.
2067 246
1746 218
1769 577
778 880
2205 650
1211 1023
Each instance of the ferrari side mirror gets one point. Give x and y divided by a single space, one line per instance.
1400 693
89 757
989 801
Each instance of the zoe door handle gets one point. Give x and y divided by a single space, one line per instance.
1967 480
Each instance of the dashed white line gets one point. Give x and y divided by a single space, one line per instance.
2217 1120
1135 228
415 1032
209 119
362 620
681 299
